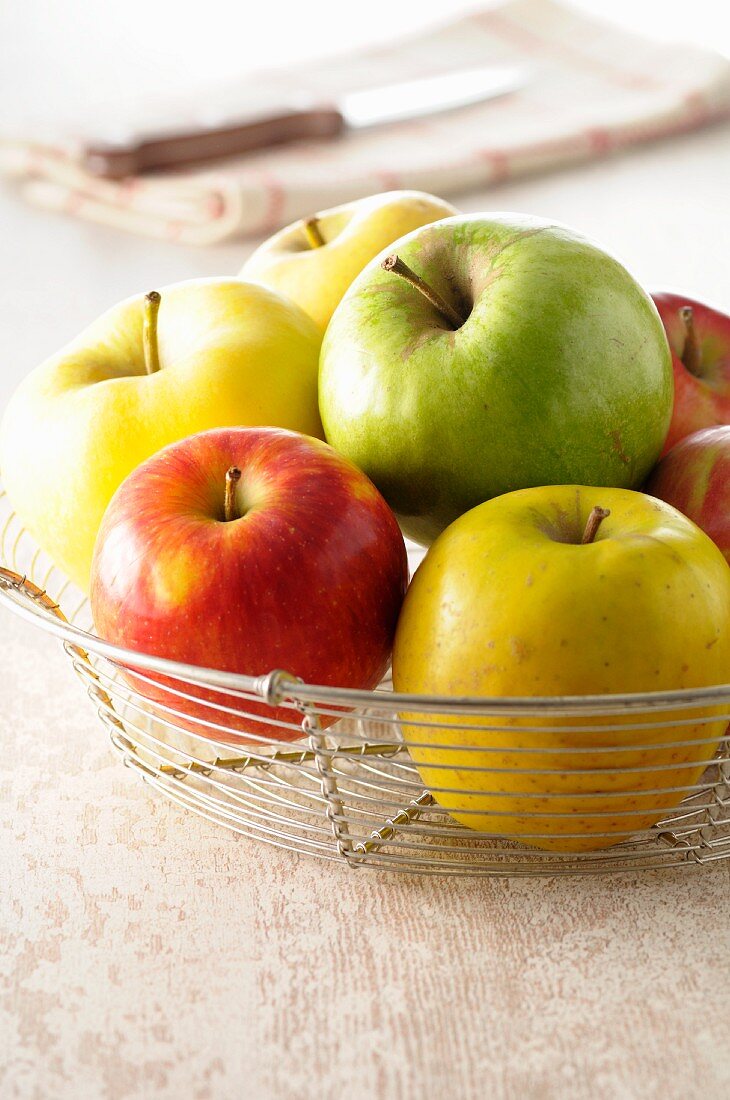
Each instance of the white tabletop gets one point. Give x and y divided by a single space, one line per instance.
147 952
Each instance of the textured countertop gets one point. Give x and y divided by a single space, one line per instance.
146 952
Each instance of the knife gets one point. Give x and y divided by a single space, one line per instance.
303 122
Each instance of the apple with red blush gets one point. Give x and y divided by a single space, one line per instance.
249 550
699 336
695 477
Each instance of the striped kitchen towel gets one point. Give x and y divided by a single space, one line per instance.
592 88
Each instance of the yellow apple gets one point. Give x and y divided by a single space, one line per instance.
221 353
510 601
315 260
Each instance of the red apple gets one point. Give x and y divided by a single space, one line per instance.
296 564
699 337
695 478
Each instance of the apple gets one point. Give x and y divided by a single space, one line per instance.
695 478
222 352
314 260
565 590
491 352
248 550
699 337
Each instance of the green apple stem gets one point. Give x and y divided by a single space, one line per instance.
233 476
149 332
595 520
691 352
313 233
398 267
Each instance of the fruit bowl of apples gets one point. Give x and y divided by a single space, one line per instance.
377 551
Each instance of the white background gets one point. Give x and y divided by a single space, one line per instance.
61 54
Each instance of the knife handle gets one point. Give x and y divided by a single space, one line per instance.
116 162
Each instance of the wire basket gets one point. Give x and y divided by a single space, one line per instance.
352 793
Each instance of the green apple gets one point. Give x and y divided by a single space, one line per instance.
224 353
313 261
565 590
492 352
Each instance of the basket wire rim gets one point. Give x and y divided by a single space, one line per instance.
279 685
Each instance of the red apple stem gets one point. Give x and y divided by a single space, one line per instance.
313 233
149 332
233 476
398 267
691 352
595 520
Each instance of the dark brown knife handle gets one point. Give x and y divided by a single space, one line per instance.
116 162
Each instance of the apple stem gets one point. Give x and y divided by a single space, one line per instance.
149 332
313 233
691 353
398 267
595 520
233 476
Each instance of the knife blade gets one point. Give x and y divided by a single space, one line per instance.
302 121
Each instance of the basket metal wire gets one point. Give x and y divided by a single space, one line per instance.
351 793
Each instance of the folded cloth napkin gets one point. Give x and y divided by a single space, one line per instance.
591 88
